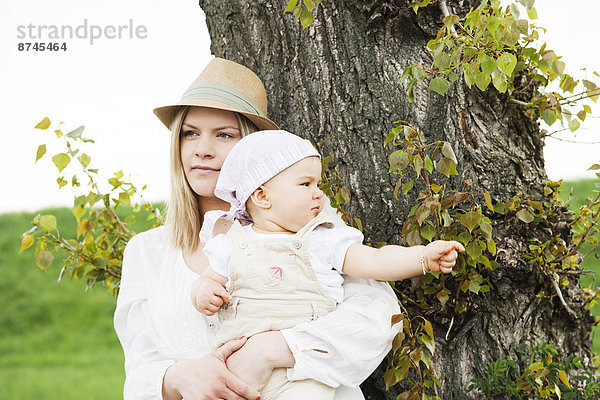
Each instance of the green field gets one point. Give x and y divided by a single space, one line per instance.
57 340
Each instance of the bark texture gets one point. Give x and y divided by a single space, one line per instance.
338 83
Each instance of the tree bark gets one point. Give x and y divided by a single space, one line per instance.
337 83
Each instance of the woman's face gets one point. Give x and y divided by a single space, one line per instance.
207 136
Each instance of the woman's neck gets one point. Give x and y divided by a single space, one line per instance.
212 203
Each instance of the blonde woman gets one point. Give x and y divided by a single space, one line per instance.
167 343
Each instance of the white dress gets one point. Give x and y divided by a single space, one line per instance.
157 324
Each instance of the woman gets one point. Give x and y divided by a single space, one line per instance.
166 341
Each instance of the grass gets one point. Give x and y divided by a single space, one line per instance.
57 339
578 191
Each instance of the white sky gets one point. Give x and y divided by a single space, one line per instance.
112 86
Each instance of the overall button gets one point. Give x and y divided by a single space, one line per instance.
297 244
212 325
243 245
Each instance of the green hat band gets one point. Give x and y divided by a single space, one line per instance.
217 91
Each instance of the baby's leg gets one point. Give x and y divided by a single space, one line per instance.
279 388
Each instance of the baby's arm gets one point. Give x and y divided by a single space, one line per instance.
394 263
208 292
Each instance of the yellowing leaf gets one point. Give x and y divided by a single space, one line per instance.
44 258
41 150
47 222
470 220
43 124
61 160
448 152
26 242
76 133
488 201
306 18
507 63
428 328
563 377
524 215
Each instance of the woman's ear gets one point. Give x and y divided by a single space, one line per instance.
260 198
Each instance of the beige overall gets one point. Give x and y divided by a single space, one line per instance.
274 287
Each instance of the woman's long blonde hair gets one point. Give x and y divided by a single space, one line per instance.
184 218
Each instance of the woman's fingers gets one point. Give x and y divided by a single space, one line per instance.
239 390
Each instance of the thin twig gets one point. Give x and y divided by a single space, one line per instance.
562 299
519 102
446 13
450 327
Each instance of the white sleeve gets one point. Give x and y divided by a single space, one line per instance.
331 244
351 340
218 251
144 366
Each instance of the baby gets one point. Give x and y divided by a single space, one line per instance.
285 266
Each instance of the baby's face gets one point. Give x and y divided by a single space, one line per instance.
294 194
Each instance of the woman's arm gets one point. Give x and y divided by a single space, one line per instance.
345 346
147 372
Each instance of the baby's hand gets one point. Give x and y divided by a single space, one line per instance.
441 255
208 295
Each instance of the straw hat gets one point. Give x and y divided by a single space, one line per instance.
224 85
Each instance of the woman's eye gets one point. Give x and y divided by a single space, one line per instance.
224 135
188 133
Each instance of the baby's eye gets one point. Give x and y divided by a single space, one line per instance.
306 184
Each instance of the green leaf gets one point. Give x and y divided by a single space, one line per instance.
549 116
390 137
448 152
443 297
573 125
532 13
43 124
44 259
439 85
493 24
470 220
488 65
398 160
75 133
428 164
41 150
524 215
482 81
61 182
428 232
47 222
428 342
446 167
442 61
507 63
474 286
473 250
85 160
61 160
290 6
26 242
491 244
306 18
500 82
125 199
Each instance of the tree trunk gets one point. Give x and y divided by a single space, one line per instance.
338 83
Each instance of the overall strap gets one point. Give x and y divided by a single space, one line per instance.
237 235
322 219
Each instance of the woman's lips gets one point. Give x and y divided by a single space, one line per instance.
204 170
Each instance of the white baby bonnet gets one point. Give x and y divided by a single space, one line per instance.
254 160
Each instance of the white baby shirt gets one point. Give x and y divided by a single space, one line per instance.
326 249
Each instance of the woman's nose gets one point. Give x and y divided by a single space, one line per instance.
205 147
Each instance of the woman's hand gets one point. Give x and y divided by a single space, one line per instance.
207 378
255 361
